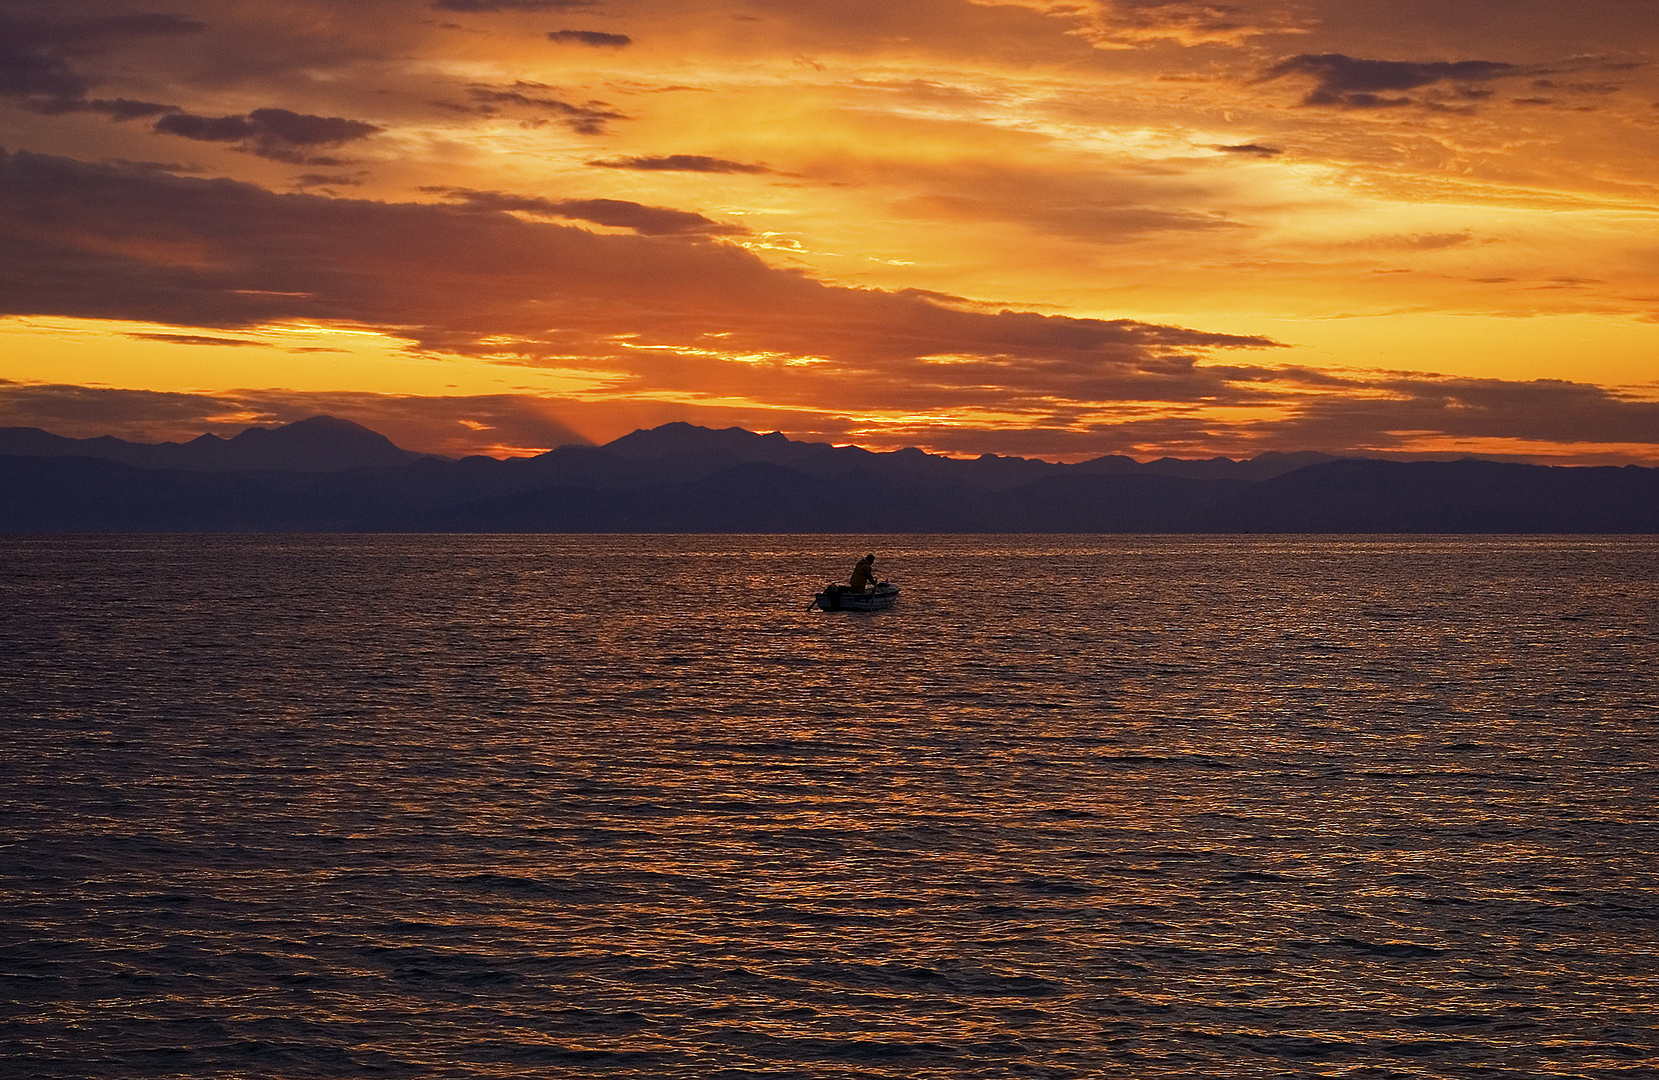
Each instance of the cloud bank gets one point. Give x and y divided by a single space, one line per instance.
680 314
106 242
788 213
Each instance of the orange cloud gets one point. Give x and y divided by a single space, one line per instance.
687 319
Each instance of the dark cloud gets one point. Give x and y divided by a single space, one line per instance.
511 5
1402 406
197 339
84 35
615 213
41 60
277 134
23 74
679 163
1252 149
328 180
154 166
80 411
1352 83
589 37
588 118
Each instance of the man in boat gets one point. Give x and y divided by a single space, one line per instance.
864 574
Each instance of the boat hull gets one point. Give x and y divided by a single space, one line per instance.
841 598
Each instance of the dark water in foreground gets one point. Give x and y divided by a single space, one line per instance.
617 806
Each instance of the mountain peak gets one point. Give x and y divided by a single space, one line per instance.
316 443
324 423
680 437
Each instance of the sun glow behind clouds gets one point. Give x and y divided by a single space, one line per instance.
1468 196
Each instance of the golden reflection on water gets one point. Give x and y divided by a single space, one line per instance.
1204 807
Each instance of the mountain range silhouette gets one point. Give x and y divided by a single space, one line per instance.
328 474
316 444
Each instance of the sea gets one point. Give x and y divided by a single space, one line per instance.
623 806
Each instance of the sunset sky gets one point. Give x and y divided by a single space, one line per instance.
1054 228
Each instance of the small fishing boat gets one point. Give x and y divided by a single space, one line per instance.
883 594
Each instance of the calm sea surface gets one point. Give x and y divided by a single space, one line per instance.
619 806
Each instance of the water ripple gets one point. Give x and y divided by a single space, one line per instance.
531 806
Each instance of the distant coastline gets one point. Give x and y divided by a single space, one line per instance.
330 475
